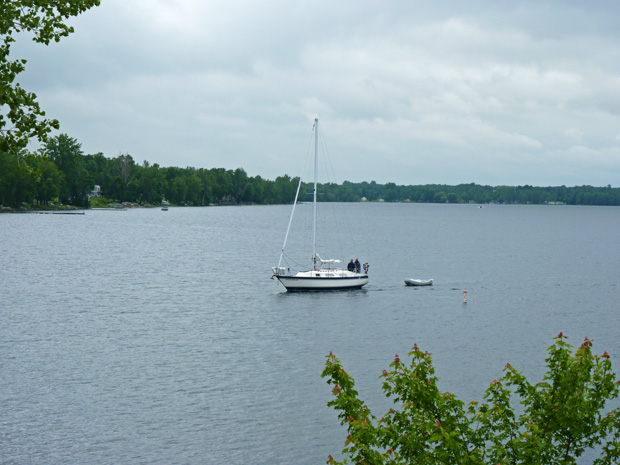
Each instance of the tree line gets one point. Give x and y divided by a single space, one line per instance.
61 173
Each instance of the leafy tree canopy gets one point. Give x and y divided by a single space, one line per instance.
21 117
558 418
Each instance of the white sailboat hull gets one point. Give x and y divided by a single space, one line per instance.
323 280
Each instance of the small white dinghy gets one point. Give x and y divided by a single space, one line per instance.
418 282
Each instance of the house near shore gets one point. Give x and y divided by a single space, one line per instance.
96 192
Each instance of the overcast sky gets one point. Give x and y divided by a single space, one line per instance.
411 92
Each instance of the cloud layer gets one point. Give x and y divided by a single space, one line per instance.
408 92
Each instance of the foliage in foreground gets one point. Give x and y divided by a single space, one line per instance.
562 416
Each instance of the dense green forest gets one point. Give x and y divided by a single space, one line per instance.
61 173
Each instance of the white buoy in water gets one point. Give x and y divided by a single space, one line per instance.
464 297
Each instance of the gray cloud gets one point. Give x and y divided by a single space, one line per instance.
408 92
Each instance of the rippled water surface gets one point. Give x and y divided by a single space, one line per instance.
157 337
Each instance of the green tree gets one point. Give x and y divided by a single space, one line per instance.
66 153
257 190
17 185
21 117
391 192
285 187
9 171
194 186
99 168
440 197
152 181
239 184
177 190
206 180
48 179
560 418
221 186
123 175
248 193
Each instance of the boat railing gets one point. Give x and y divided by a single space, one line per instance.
280 271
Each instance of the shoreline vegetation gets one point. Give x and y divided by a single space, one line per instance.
60 177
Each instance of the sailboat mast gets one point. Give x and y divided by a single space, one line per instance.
316 171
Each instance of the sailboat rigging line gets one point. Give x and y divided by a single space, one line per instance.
290 220
290 260
306 164
340 215
316 174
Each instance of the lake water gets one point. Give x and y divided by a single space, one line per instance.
144 336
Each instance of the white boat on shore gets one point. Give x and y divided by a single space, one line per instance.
418 282
324 275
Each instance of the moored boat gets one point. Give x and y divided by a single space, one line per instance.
324 275
418 282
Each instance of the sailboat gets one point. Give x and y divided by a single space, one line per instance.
324 274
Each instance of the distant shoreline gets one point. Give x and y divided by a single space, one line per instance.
70 210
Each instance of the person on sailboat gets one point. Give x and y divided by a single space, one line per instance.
351 266
358 266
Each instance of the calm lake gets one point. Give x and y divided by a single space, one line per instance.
145 336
